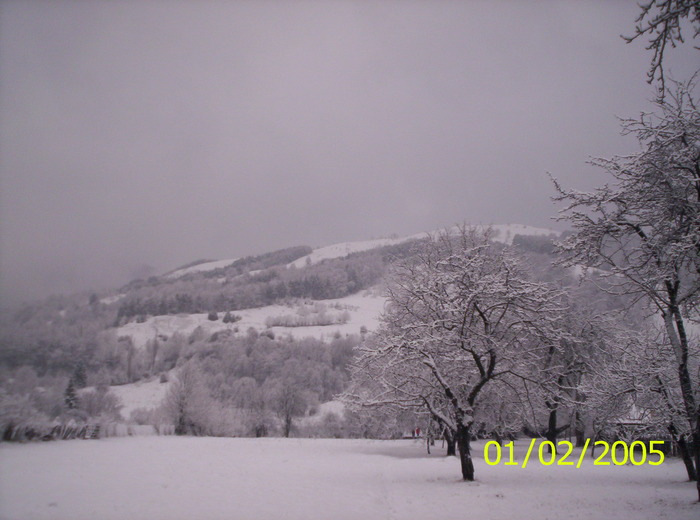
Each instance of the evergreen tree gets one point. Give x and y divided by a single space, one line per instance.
80 375
70 396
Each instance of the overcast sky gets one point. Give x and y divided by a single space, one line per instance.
136 136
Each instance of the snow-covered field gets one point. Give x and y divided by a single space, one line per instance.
364 309
217 478
142 394
149 395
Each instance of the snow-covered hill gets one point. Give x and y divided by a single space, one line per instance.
346 248
109 300
341 316
503 233
206 266
506 232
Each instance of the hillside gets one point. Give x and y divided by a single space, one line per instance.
259 290
307 318
361 308
252 308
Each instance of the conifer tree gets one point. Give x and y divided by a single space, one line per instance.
80 375
70 397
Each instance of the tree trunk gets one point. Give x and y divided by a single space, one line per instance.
551 433
596 437
579 431
155 355
450 440
687 459
497 437
696 447
181 426
465 456
685 452
675 328
129 358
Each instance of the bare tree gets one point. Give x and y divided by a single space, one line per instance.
188 403
387 385
643 231
289 400
255 401
461 315
637 379
661 20
556 371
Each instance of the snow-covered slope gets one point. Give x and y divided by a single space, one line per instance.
506 232
109 300
345 248
503 233
363 310
142 394
206 266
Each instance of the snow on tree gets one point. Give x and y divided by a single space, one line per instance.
637 382
462 315
187 403
383 387
643 231
101 403
662 20
552 394
70 396
289 400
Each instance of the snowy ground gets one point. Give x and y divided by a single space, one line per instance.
149 395
142 394
216 478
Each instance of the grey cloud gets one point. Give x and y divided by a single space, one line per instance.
156 133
